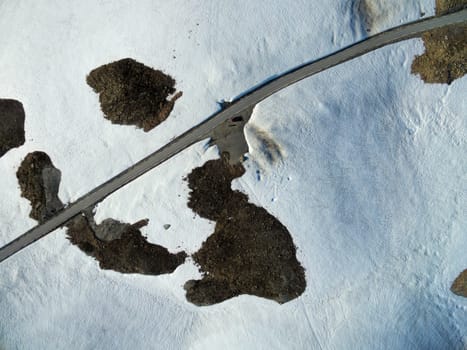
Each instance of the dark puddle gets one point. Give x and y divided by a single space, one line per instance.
445 57
131 93
11 125
117 246
250 251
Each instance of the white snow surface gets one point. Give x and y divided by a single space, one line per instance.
372 184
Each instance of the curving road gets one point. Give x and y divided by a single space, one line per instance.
236 108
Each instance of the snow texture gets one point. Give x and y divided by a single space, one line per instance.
371 185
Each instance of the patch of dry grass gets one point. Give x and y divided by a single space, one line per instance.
445 54
131 253
11 125
38 189
459 286
131 93
250 251
120 247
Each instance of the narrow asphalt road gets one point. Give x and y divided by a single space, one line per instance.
204 130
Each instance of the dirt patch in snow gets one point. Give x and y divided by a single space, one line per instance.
250 251
11 125
130 253
115 245
459 286
445 57
39 182
131 93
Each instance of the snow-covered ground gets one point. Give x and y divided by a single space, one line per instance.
372 186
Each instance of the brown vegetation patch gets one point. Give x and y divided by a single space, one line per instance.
133 94
39 182
250 251
445 57
130 253
446 6
459 286
117 246
11 125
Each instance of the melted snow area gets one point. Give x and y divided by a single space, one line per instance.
370 181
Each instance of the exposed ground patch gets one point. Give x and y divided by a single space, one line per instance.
445 57
131 93
250 251
39 182
11 125
130 253
115 245
459 285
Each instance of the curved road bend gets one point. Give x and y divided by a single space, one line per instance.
204 129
